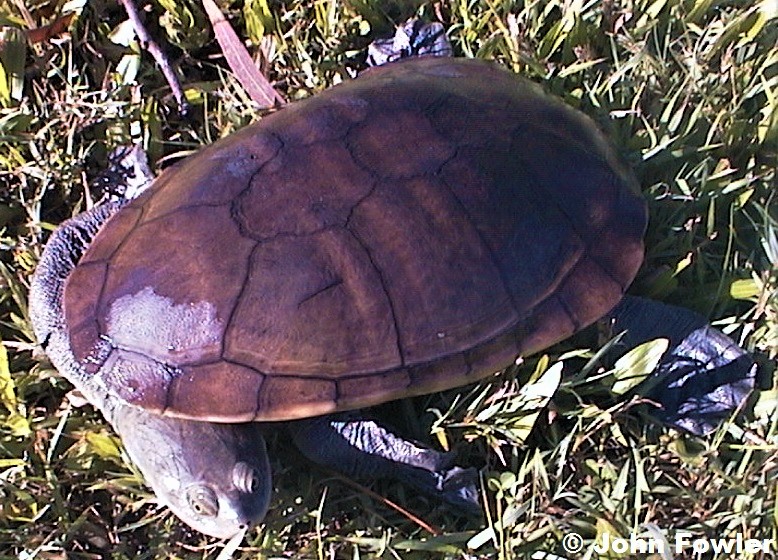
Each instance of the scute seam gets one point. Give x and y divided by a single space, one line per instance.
231 316
384 288
183 208
587 240
235 202
463 208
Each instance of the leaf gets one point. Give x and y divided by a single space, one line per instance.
259 19
449 543
7 385
13 48
103 445
604 527
766 404
127 68
508 519
619 491
55 28
745 288
19 425
232 545
15 422
247 73
535 397
700 7
538 394
123 34
580 67
637 364
651 14
184 23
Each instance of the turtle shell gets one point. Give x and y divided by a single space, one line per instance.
409 231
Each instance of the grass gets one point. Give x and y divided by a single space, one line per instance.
688 91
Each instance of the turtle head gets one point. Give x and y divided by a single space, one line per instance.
214 477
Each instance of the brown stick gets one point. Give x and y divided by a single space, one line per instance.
431 529
159 57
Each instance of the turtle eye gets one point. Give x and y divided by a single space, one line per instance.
203 501
245 477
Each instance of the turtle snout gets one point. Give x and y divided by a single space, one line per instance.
254 485
247 479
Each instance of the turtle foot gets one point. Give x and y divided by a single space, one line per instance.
364 449
703 379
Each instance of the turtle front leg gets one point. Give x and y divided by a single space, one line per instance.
364 449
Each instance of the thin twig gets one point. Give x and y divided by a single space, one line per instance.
160 57
384 500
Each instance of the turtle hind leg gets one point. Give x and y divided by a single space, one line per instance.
702 379
363 449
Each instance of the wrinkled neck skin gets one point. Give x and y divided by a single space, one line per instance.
215 477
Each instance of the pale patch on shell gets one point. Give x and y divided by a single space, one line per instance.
234 162
443 71
242 158
154 326
357 105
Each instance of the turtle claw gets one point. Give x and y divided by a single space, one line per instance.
412 38
459 487
77 398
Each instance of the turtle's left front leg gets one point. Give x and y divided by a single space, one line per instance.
362 448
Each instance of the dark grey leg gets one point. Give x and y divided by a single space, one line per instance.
704 376
364 449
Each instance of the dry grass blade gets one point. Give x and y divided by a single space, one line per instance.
253 81
231 546
55 28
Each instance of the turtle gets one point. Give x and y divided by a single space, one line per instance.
409 231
